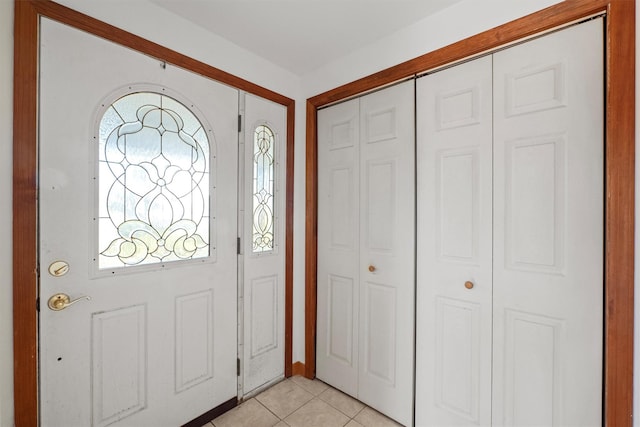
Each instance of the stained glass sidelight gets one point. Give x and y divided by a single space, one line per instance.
153 182
263 189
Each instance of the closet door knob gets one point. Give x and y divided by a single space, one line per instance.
372 268
468 284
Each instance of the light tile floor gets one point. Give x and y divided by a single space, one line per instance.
299 402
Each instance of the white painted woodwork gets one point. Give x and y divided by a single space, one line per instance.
153 346
119 364
194 332
454 176
548 229
338 298
512 201
366 218
387 242
262 348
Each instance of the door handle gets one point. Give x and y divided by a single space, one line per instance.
61 301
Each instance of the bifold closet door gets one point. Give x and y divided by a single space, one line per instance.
510 309
454 289
548 229
338 246
366 244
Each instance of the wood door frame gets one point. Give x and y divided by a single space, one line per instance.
619 174
27 14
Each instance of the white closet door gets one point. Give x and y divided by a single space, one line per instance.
454 291
366 247
387 251
338 246
548 242
263 251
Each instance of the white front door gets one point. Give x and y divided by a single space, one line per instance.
137 200
365 249
263 254
454 259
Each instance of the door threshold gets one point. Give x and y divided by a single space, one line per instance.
213 414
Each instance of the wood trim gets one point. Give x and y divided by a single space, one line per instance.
546 19
298 368
25 264
288 277
311 244
96 27
619 174
619 212
25 281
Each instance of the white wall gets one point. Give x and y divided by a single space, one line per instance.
6 123
457 22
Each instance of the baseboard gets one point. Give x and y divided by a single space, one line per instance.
297 368
213 414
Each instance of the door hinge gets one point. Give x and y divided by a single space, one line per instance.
238 366
239 123
238 246
38 304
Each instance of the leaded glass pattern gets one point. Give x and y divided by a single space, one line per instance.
263 189
153 182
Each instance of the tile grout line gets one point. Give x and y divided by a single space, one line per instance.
269 410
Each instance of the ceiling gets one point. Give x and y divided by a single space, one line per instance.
302 35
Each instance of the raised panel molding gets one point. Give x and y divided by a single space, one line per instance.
342 201
379 312
458 357
380 212
535 204
340 317
118 364
342 134
537 89
264 315
194 339
457 210
458 108
532 370
381 125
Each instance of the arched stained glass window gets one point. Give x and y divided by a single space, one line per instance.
153 182
263 189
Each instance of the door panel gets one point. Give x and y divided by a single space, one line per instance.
365 249
263 249
154 344
118 364
454 176
338 246
458 333
387 236
548 242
